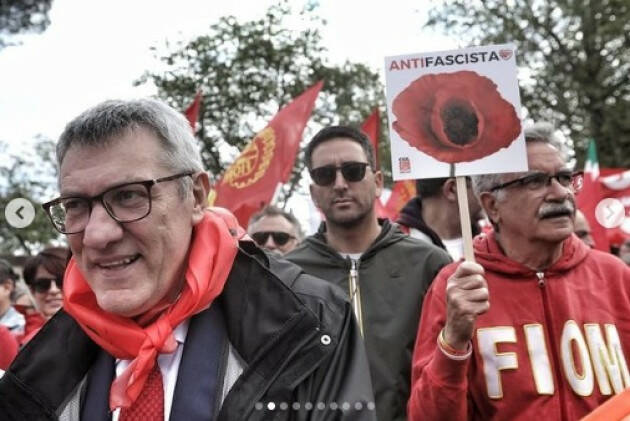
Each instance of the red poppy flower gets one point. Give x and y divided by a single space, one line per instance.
455 117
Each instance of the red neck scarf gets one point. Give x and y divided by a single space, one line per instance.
212 252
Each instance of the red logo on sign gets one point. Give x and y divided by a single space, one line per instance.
404 165
505 54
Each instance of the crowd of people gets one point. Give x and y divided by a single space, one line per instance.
171 310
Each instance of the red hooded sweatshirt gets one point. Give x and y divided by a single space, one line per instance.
553 345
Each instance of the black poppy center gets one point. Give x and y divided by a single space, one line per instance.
460 122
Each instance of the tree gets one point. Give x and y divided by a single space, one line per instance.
575 62
17 177
248 71
19 16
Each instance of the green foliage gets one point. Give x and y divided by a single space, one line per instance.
249 70
16 181
574 59
22 16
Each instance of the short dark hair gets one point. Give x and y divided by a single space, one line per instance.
6 272
429 187
53 259
272 210
332 132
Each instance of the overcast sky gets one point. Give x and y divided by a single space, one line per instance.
94 50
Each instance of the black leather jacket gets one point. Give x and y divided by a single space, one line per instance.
296 334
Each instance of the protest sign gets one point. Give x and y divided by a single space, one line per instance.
454 113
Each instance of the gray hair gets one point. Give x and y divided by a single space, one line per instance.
271 211
98 126
540 132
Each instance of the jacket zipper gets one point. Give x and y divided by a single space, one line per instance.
552 340
355 293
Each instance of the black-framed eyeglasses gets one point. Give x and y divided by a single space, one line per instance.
126 202
279 237
42 285
351 171
539 180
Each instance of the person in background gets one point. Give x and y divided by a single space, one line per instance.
538 327
275 230
12 319
583 229
433 215
384 271
43 274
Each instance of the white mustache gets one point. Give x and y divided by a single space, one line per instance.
550 208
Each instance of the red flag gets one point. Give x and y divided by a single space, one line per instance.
590 196
402 192
250 182
371 127
192 112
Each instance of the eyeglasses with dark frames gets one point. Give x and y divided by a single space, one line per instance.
128 202
539 180
351 171
279 237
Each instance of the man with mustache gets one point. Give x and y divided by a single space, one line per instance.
385 272
169 314
538 327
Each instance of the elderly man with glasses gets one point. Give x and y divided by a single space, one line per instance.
538 327
384 271
167 314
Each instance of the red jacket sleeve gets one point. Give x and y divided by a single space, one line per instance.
438 384
8 347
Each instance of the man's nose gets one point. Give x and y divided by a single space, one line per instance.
270 244
101 229
340 180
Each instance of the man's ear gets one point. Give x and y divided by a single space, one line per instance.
378 181
489 202
449 189
200 191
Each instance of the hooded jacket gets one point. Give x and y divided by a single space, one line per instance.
553 345
394 274
295 334
411 217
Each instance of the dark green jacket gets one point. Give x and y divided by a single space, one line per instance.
394 275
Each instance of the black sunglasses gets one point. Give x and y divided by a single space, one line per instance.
42 285
279 237
351 171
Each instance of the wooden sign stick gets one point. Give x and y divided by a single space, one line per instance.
464 217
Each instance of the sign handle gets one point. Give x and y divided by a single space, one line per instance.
464 217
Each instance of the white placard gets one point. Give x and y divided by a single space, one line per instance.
455 113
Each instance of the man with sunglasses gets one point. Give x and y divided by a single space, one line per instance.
275 230
166 314
384 271
538 327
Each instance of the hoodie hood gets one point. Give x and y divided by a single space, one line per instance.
489 254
